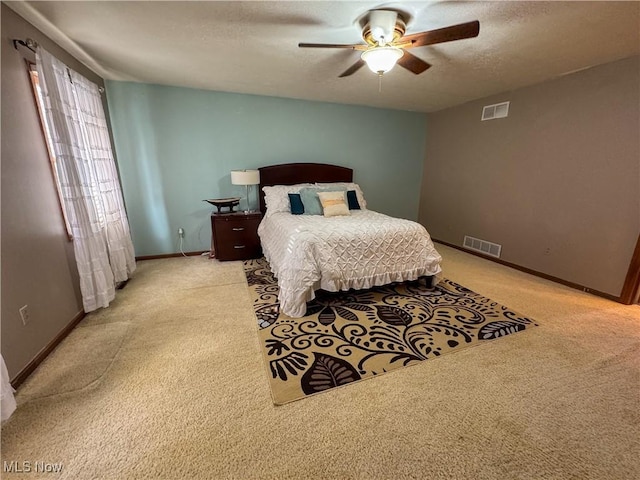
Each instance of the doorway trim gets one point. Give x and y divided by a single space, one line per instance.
631 287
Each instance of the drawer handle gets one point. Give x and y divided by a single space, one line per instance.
238 246
238 229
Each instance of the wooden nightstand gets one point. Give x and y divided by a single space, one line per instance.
235 235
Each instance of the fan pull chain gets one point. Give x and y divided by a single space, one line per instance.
380 83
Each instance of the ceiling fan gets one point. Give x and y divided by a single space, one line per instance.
386 42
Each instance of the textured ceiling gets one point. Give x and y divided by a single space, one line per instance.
251 47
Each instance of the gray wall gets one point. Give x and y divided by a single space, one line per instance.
38 264
176 147
557 183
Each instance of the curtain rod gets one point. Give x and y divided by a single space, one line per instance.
32 45
29 43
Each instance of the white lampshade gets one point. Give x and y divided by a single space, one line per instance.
382 59
245 177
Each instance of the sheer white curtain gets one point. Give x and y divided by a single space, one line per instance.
8 401
88 180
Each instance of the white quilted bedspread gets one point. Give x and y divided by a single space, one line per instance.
362 250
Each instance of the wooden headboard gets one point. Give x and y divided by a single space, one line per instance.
292 173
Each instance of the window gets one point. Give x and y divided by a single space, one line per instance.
37 93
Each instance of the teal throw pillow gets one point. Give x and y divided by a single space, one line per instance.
352 200
297 208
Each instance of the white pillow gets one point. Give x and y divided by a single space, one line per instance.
334 203
348 186
276 197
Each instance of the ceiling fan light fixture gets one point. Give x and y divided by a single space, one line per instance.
382 25
382 59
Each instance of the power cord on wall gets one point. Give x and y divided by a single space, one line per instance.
181 236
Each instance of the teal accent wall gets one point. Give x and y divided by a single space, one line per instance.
177 146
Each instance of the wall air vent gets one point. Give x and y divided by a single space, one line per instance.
482 246
498 110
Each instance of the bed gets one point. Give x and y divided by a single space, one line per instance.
358 250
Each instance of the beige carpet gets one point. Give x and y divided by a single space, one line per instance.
78 362
185 394
350 336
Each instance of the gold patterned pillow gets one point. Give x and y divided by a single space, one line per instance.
333 203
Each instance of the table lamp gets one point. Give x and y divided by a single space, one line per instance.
246 178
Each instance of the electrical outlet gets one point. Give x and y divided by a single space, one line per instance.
24 314
181 232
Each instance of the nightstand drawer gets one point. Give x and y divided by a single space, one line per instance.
235 236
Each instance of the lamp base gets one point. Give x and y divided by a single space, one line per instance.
250 207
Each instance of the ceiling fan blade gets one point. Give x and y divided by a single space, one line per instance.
332 45
413 63
446 34
353 68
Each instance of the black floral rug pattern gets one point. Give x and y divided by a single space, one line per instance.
349 336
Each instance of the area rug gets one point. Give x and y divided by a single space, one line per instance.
354 335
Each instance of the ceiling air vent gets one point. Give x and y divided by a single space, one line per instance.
498 110
482 246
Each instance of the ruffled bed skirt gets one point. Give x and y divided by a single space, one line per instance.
295 304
